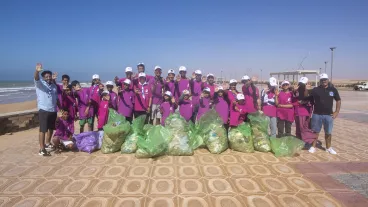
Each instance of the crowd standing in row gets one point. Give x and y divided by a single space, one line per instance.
158 97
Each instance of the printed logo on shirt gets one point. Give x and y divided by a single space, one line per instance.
331 93
289 100
146 90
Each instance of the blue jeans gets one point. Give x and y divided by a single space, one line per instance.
322 120
273 125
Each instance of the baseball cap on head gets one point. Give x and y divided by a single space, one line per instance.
220 88
198 72
127 81
171 71
95 76
109 83
323 76
303 80
233 81
245 77
207 89
157 67
239 96
186 92
273 81
182 68
210 75
128 69
285 82
140 64
105 92
141 75
168 93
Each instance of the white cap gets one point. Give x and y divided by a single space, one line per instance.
323 76
198 72
239 96
245 77
171 71
207 89
220 88
127 81
182 68
303 80
128 69
233 81
186 92
285 82
157 67
105 92
140 64
168 93
210 74
141 75
273 81
110 83
95 76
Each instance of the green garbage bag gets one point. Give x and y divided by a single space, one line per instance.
130 144
154 144
286 146
259 124
195 137
241 139
114 136
147 127
214 134
179 144
114 116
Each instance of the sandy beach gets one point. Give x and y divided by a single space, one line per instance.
13 107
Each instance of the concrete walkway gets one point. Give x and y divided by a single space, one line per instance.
228 179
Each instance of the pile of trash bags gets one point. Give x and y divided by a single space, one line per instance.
259 124
181 138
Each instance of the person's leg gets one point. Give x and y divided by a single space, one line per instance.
297 128
129 119
288 128
51 121
82 122
316 126
280 127
41 140
273 126
42 116
328 125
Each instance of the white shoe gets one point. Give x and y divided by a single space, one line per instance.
331 151
312 150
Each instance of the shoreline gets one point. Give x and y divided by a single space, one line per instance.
15 107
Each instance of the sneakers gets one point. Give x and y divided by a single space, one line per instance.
49 147
312 150
43 152
331 151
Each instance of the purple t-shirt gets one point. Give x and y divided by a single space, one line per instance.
126 103
204 107
269 109
196 91
103 114
83 100
183 85
157 87
166 109
300 109
64 128
222 108
285 98
238 117
248 94
113 100
141 101
121 81
212 88
170 86
186 109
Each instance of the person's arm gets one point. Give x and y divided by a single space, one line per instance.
338 104
149 105
285 106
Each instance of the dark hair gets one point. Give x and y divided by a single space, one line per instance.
46 72
65 109
74 83
70 87
65 76
254 95
301 90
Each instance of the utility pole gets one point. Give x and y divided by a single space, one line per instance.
326 66
332 56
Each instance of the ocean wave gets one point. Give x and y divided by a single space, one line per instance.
17 89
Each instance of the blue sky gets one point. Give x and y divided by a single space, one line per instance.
239 37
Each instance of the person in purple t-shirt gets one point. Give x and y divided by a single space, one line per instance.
113 96
65 79
83 98
126 101
167 107
141 69
205 103
170 82
251 94
186 106
285 110
128 75
63 137
269 103
197 84
157 91
182 82
211 84
221 103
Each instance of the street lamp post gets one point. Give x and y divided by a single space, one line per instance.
221 77
320 70
326 66
332 56
261 75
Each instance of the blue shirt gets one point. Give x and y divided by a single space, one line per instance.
46 96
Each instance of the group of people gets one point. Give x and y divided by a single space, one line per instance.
157 97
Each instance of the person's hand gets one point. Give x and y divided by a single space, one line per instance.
277 92
149 110
334 115
86 112
116 79
39 67
172 100
61 113
193 75
178 78
202 95
254 79
266 90
167 79
236 108
54 76
295 87
216 89
204 79
137 91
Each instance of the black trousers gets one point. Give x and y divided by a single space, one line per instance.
283 127
47 120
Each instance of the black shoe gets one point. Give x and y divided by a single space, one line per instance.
43 152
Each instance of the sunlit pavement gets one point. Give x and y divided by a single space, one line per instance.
228 179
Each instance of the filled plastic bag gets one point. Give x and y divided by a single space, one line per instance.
114 116
259 124
147 127
154 144
179 144
87 141
286 146
114 136
195 137
241 139
213 132
130 144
